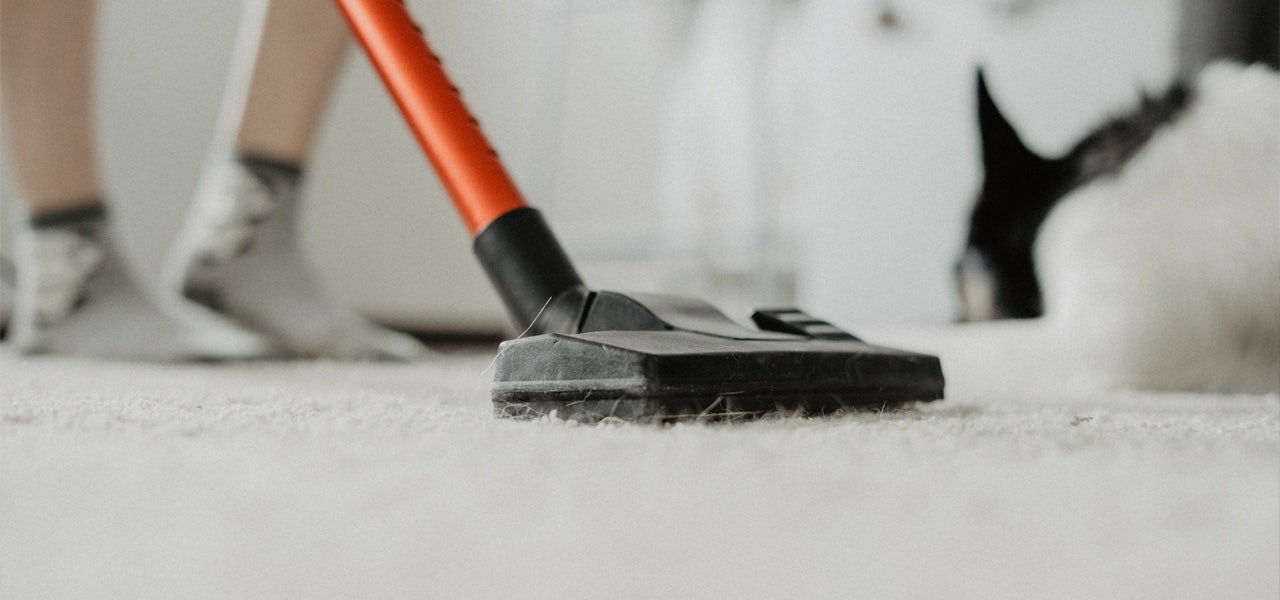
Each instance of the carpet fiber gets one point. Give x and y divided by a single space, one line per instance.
327 480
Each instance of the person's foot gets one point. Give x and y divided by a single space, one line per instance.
75 295
238 254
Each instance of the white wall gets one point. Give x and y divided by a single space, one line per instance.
877 142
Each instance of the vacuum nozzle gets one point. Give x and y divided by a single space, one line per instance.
600 354
683 359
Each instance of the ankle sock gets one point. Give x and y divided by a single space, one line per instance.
75 295
240 254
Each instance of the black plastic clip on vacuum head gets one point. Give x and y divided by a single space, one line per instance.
595 354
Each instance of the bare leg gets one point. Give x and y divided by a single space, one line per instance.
48 101
74 293
303 45
239 252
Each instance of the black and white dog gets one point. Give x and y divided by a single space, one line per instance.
1147 257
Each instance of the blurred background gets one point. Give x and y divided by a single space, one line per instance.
753 152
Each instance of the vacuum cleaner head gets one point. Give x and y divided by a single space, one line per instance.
682 359
599 354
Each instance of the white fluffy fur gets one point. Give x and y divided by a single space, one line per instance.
1165 276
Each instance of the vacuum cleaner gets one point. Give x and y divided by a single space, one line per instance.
588 355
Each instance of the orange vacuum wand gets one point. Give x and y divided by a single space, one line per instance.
467 165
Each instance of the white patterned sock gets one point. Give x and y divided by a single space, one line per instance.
239 255
75 295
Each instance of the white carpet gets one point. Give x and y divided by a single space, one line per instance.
323 480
